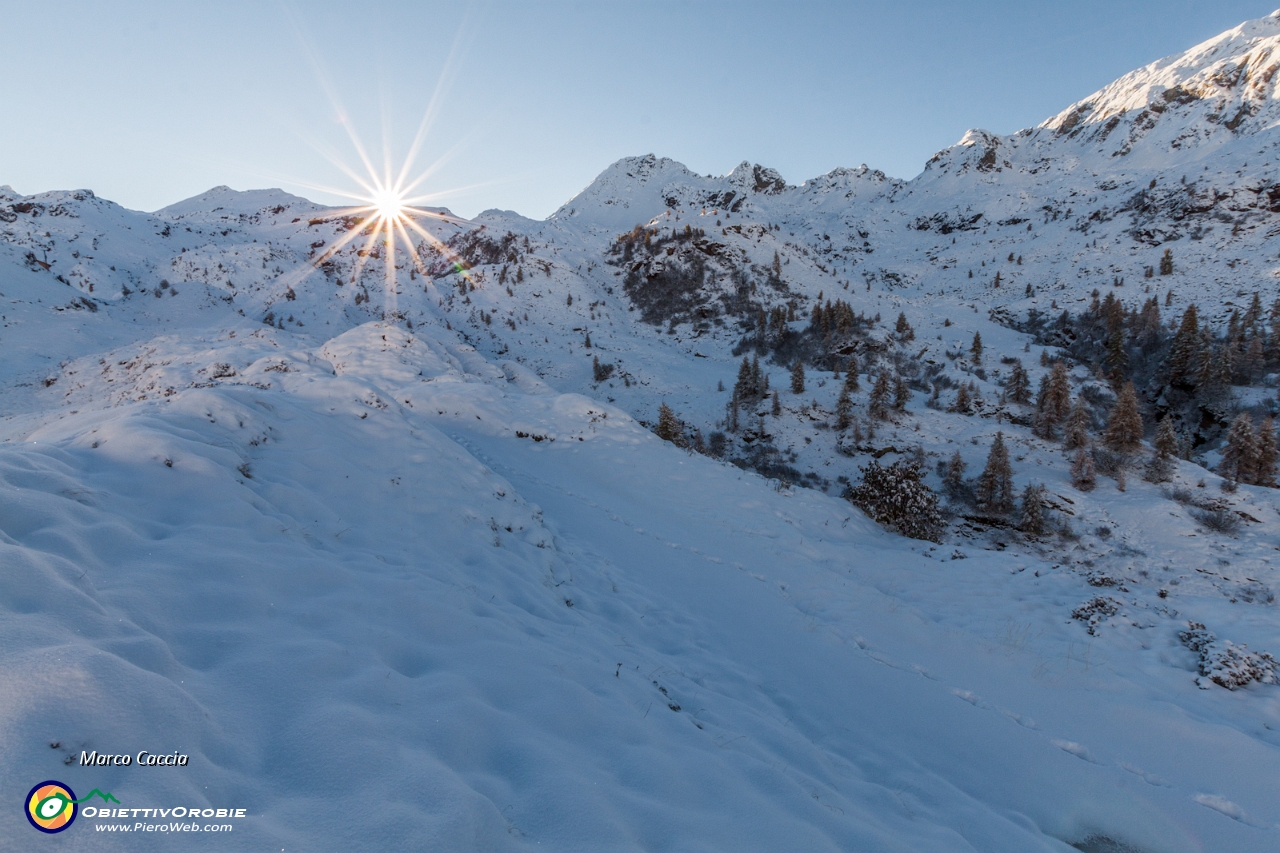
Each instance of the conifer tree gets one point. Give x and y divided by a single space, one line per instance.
851 375
1034 516
1054 403
1075 432
878 400
797 378
953 477
1083 475
1267 453
844 409
743 388
668 428
1019 385
1124 427
1241 455
1166 450
1183 353
901 394
1116 359
964 403
975 349
1273 338
994 490
903 329
777 405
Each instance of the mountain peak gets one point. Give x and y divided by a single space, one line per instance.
1232 76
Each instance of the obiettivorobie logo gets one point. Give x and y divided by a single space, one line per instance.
52 806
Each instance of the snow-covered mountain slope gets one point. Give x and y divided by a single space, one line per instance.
404 567
381 569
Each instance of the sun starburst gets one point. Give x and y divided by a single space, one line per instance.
389 215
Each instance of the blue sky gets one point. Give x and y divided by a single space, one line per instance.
149 103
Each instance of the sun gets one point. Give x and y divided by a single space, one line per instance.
389 205
388 215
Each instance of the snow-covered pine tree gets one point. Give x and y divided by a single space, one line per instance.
744 388
901 394
878 400
953 477
1267 453
994 491
1033 517
1054 401
1160 469
851 375
964 402
975 349
1075 433
903 329
1019 384
669 427
898 498
1116 358
1124 427
844 409
776 409
1184 353
1083 475
1240 456
797 378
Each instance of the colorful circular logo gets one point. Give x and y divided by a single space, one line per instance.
51 806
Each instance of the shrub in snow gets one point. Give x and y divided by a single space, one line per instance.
898 498
1095 610
1255 591
600 372
1218 519
1224 663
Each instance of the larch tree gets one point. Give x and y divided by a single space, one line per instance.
1075 433
1240 456
901 394
953 477
1034 515
1019 385
1183 353
1124 427
851 375
797 378
1166 451
844 409
1053 402
903 329
878 400
994 490
1083 475
975 349
1267 453
669 427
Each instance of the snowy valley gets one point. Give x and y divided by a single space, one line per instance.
672 521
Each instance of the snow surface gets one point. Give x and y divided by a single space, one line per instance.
396 577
